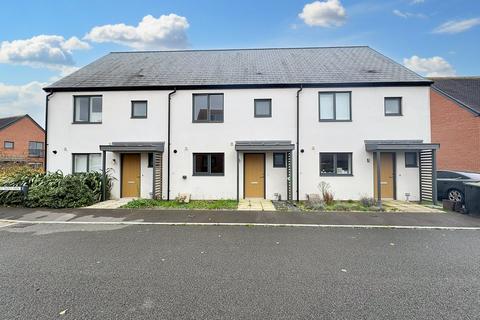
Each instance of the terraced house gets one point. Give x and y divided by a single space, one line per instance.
267 123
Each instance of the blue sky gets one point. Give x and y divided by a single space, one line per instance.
41 41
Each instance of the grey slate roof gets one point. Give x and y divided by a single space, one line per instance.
242 67
464 90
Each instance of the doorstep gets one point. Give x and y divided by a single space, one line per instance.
404 206
110 204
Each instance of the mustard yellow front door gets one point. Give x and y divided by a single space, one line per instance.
254 181
387 175
131 175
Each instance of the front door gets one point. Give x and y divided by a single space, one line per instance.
254 175
387 175
131 175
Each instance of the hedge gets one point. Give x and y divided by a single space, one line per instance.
51 190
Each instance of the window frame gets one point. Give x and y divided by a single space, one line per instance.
416 159
284 162
255 114
8 141
88 161
400 111
209 165
335 106
208 107
132 114
89 108
30 155
335 174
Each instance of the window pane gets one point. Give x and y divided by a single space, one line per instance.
410 159
139 109
216 107
392 106
326 163
263 108
96 111
217 163
81 108
342 103
95 162
200 107
326 106
8 145
150 160
279 160
80 163
201 163
344 163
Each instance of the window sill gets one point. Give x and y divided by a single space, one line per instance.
335 120
207 121
336 175
394 115
208 175
138 117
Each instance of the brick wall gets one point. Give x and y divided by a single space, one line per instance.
21 133
458 132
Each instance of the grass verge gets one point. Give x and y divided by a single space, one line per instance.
193 204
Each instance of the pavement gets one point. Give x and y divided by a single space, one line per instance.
217 217
94 271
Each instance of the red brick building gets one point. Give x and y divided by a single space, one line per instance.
455 121
21 141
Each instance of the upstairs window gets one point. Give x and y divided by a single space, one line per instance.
208 107
86 162
263 108
87 109
8 144
139 109
393 106
335 164
335 106
35 149
208 164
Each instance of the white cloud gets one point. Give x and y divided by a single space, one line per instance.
430 67
22 99
329 13
167 31
407 15
457 26
417 1
50 51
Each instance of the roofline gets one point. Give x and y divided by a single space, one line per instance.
454 78
20 117
241 49
425 83
463 105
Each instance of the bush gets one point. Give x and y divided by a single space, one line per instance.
327 195
368 201
52 190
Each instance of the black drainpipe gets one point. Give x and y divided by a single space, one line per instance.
46 131
298 141
168 143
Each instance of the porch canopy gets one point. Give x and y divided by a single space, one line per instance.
156 147
260 146
264 145
426 163
133 147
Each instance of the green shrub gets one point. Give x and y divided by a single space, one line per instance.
52 190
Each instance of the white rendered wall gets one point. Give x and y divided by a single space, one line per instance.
368 123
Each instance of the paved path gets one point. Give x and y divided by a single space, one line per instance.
165 272
404 206
255 205
111 204
380 219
